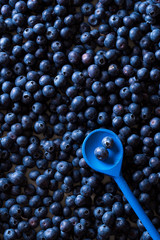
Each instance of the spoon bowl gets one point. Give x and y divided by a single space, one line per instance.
111 166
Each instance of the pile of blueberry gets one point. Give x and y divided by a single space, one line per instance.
68 67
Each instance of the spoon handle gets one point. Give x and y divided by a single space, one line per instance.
137 207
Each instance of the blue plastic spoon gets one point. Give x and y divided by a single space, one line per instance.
112 167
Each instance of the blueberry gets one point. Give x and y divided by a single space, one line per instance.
15 94
4 184
55 208
93 71
104 231
152 10
157 151
98 87
22 199
149 58
60 81
146 236
117 122
135 61
42 181
48 91
90 113
133 140
40 235
40 212
135 34
35 201
85 190
74 57
77 103
78 77
121 223
125 93
6 10
9 234
153 178
15 211
21 7
45 223
67 70
108 218
98 212
129 119
65 226
39 127
154 74
117 209
57 220
79 229
155 35
145 185
107 142
58 58
87 9
63 167
113 70
17 178
121 44
115 21
23 226
155 123
5 43
101 153
51 233
157 138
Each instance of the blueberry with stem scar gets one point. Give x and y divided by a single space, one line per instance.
107 142
101 153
